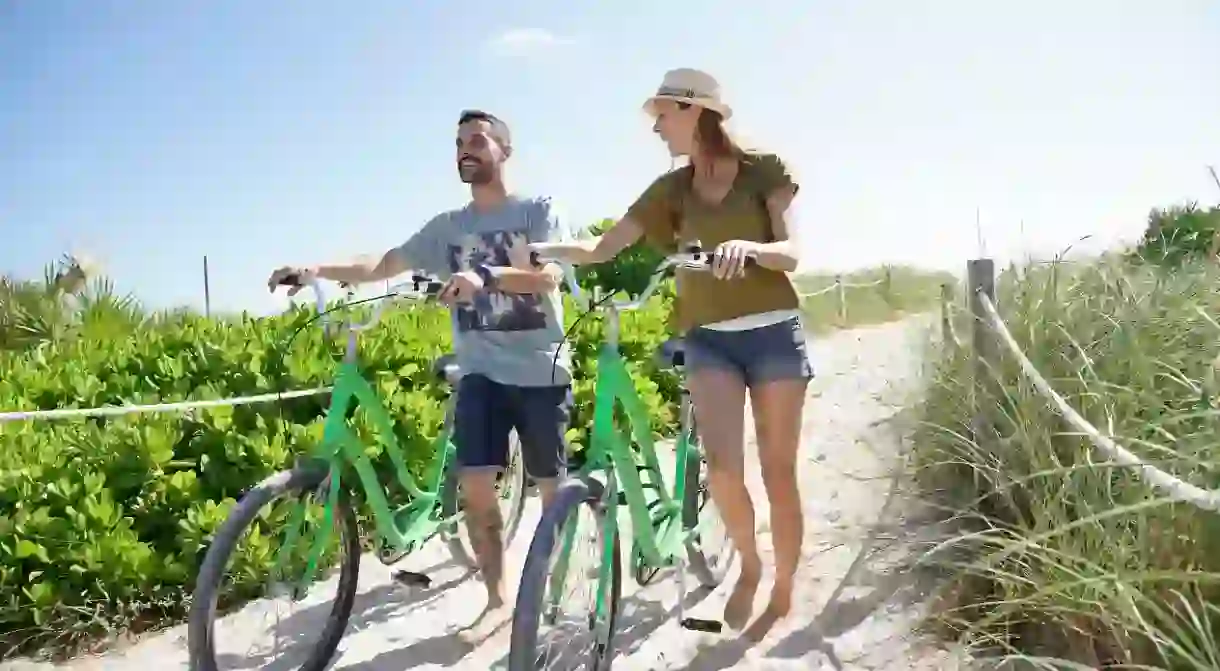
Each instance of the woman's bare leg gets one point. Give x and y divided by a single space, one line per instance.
778 407
719 397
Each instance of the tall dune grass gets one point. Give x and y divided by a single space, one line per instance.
1061 553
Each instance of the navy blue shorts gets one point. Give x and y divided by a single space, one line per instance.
488 411
763 354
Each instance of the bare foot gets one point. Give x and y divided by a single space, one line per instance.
740 605
494 617
778 609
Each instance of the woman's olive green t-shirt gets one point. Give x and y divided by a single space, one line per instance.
673 215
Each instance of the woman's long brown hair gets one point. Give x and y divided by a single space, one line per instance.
714 140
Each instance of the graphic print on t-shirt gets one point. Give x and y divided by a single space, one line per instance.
496 310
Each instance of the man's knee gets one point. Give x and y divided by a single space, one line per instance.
478 486
543 418
546 489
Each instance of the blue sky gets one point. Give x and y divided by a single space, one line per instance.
260 133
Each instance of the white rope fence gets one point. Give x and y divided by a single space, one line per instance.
841 287
110 411
1176 488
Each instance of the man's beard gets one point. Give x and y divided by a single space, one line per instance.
481 173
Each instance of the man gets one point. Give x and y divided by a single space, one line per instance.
508 334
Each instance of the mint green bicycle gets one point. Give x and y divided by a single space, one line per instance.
668 526
303 508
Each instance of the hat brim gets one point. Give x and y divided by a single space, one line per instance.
720 108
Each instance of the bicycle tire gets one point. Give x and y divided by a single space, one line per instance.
451 498
200 642
532 592
709 570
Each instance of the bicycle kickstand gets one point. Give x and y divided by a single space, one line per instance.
692 623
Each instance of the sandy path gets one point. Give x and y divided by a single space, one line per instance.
850 452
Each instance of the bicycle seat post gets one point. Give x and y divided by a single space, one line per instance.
349 356
612 327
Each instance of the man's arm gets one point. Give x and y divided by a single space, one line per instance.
391 263
422 251
517 281
522 277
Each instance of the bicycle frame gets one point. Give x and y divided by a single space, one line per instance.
659 535
404 529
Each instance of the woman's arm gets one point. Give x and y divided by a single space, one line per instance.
600 249
781 254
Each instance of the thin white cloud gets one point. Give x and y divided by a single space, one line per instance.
520 40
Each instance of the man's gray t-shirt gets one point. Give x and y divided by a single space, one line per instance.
509 338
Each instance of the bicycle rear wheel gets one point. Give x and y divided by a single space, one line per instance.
529 651
256 511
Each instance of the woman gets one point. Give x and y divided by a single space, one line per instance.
742 325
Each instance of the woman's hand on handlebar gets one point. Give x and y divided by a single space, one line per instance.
730 258
293 278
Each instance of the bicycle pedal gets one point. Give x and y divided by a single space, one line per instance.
412 579
389 556
706 626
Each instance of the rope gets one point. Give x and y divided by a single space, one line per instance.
1176 488
838 284
110 411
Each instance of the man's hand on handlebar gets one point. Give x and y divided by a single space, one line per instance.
293 278
461 288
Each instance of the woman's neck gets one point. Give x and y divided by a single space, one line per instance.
713 166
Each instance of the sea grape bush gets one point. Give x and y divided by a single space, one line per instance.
103 521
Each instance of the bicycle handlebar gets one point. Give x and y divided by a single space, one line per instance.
424 287
694 259
418 288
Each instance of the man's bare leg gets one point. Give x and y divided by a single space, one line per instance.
483 523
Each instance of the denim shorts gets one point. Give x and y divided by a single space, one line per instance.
488 411
764 354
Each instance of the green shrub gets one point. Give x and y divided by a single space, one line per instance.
1179 234
1064 553
103 521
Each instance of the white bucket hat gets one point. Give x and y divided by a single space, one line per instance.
690 86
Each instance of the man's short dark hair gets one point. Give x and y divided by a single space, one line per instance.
498 127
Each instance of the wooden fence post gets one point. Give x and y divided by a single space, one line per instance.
842 292
980 281
946 315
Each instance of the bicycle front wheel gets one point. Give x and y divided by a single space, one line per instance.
554 566
244 545
710 553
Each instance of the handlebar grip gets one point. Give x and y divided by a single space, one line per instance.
751 262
